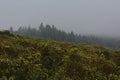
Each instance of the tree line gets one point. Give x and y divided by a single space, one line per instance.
51 32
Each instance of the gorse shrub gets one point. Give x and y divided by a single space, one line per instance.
24 58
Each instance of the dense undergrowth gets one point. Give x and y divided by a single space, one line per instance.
24 58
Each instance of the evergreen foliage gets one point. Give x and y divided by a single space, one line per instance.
51 32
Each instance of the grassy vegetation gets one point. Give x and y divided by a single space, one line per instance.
24 58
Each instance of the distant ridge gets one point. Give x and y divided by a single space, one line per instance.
51 32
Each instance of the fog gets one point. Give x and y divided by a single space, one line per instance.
98 17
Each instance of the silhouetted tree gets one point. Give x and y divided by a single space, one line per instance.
51 32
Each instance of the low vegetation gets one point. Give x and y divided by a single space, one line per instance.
24 58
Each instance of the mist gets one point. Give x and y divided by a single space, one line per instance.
98 17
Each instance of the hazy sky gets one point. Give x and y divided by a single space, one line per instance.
82 16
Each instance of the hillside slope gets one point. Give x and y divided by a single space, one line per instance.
23 58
